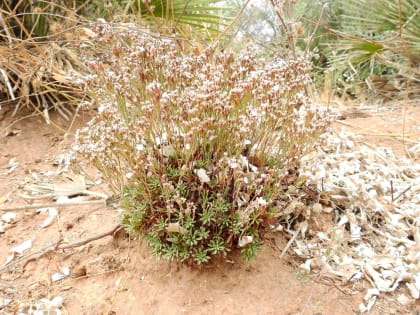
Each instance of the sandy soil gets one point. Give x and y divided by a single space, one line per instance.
116 275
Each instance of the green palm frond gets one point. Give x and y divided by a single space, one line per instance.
384 22
207 15
374 37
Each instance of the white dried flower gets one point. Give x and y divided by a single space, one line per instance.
261 201
202 175
245 240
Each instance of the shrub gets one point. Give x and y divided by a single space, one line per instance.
203 147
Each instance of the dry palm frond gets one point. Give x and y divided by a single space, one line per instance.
58 186
39 62
42 75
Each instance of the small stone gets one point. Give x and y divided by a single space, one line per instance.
78 272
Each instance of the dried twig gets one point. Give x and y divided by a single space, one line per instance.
392 191
402 193
290 242
57 246
54 204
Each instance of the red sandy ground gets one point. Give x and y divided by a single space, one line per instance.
121 276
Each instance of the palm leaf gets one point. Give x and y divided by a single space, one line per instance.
201 14
41 75
377 37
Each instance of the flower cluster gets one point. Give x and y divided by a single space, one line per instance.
199 144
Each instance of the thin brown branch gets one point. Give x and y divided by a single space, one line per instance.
52 204
290 242
58 245
392 192
402 193
227 29
286 27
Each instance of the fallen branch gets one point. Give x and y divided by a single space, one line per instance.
52 248
53 204
402 193
59 246
290 242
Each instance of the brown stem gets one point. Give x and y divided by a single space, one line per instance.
52 248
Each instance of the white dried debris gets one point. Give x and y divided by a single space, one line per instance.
19 249
52 214
42 306
377 210
4 302
6 221
8 217
13 164
64 272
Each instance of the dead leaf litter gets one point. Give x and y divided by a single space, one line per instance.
376 210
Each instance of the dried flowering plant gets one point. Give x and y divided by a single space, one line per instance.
202 146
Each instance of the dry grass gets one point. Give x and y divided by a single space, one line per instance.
40 75
40 57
